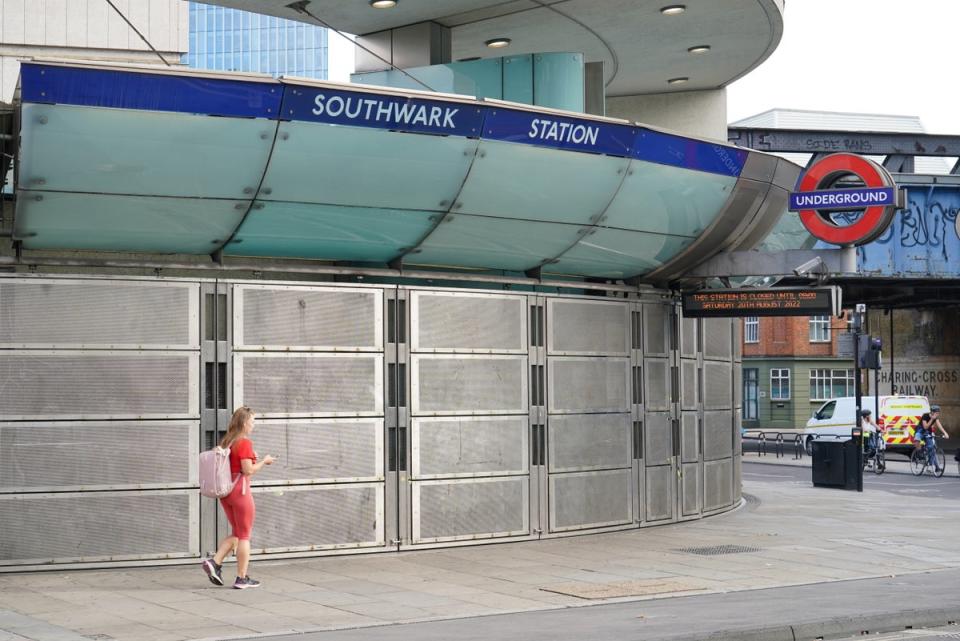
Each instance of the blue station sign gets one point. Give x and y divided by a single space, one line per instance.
559 132
419 114
398 113
841 199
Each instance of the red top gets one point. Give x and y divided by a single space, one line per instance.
242 448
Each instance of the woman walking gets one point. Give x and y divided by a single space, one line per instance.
238 505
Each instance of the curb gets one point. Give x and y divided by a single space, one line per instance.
835 627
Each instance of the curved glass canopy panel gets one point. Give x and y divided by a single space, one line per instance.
789 233
616 253
135 160
668 200
51 220
362 166
332 232
494 243
536 183
151 153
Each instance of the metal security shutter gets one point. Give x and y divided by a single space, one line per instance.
470 474
402 417
737 410
659 420
691 419
99 417
309 361
589 423
720 430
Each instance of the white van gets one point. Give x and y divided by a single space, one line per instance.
899 416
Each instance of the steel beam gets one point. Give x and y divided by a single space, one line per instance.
899 163
810 263
813 141
304 267
815 158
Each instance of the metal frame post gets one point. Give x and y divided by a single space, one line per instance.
893 389
875 388
876 395
858 389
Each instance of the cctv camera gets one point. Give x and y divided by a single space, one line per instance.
815 264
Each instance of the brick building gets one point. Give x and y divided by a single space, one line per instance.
790 366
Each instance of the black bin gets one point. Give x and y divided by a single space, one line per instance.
838 464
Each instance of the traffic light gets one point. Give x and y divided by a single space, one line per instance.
868 351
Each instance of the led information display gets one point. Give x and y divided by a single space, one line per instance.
809 301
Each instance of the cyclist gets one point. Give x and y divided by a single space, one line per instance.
925 434
872 431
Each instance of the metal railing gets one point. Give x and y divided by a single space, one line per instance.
777 441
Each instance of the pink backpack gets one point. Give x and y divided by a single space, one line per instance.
215 478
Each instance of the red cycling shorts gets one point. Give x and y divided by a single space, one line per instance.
239 508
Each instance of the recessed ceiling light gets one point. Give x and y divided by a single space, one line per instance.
677 81
383 4
699 49
673 10
497 43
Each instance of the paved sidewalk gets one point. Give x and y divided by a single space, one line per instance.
789 532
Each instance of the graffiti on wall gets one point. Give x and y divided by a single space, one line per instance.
924 239
928 221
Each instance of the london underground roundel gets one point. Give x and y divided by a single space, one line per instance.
815 199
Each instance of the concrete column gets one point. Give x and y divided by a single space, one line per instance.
594 93
696 113
416 45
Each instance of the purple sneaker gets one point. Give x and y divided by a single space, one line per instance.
242 583
213 571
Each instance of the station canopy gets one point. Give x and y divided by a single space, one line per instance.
151 161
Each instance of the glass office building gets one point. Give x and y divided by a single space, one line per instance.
234 40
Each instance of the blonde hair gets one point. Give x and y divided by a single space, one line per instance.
237 423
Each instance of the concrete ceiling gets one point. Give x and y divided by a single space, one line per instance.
641 48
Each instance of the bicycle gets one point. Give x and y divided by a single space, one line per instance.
875 457
920 460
